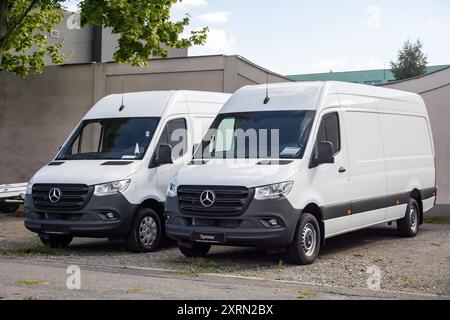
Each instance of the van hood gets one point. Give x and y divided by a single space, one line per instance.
245 173
89 172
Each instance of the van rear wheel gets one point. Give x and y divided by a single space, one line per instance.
145 234
198 250
306 245
409 226
55 240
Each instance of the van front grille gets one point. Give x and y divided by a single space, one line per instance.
71 196
229 201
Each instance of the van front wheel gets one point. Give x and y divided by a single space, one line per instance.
145 234
409 225
306 245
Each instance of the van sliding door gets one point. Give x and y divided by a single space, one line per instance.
367 165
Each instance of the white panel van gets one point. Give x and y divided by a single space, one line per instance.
109 179
329 158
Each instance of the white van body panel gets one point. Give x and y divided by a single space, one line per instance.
89 172
387 150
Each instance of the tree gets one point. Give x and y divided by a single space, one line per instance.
23 24
411 61
143 26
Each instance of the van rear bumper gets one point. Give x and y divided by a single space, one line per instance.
91 221
249 229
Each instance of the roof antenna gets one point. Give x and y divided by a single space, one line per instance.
267 99
122 106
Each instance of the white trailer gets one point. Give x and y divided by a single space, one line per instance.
11 196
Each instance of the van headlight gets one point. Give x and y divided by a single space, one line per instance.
110 188
172 190
273 191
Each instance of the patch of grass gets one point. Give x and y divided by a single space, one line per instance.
198 266
31 298
305 294
204 265
35 249
437 220
32 282
135 290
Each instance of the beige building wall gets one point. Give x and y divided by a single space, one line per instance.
39 112
435 90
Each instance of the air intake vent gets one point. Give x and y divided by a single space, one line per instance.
71 196
228 201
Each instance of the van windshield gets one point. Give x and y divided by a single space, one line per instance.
258 135
110 139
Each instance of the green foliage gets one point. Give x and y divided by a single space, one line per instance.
26 46
411 62
144 28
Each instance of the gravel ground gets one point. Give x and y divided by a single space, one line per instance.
420 265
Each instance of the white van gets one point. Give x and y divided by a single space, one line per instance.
109 179
348 157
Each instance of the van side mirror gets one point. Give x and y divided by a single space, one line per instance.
163 156
325 154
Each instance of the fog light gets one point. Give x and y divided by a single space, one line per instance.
110 215
273 222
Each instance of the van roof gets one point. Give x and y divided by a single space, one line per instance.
153 104
313 95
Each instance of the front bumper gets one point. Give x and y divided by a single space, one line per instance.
91 221
249 229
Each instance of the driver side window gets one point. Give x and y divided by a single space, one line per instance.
175 135
329 130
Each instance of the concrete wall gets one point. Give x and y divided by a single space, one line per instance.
77 43
39 112
435 90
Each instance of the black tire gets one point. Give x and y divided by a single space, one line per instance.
307 240
146 232
198 250
55 240
409 226
9 207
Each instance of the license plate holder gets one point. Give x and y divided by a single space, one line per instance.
54 229
208 237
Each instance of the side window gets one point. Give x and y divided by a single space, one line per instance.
329 131
90 139
175 135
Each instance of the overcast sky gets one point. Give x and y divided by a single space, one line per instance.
297 36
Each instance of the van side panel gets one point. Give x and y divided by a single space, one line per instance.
409 158
203 114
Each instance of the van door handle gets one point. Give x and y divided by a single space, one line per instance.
342 170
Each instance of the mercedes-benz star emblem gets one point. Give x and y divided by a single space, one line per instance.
54 195
207 198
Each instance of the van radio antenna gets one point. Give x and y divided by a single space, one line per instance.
267 99
122 106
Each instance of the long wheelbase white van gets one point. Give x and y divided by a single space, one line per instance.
109 179
346 157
